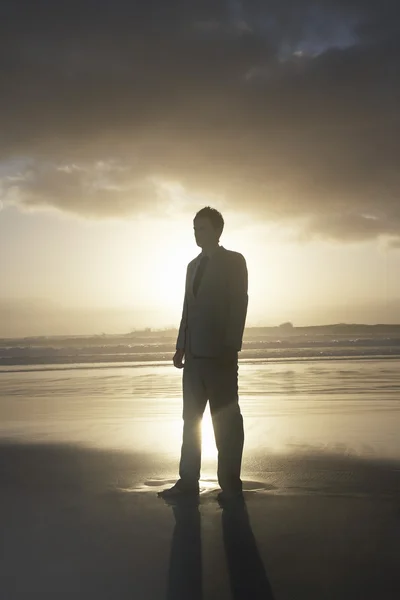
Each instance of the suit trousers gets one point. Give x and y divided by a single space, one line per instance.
216 381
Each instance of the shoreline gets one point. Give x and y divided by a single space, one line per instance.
128 363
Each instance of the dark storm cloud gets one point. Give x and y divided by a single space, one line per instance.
288 109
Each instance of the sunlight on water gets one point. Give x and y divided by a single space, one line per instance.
351 408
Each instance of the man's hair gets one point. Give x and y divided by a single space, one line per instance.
214 216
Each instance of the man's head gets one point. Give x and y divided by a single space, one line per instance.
208 226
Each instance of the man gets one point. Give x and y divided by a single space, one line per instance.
210 337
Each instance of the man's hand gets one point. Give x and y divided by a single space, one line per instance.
178 356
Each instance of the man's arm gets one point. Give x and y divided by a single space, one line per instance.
180 343
237 303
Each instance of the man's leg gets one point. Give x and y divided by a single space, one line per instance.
194 403
222 390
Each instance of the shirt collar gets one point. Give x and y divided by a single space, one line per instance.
202 253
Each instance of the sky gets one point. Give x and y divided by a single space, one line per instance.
120 120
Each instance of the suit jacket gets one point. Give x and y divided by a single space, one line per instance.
216 317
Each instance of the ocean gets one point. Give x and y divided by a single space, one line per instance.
270 343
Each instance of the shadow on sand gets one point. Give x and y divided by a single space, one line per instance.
247 575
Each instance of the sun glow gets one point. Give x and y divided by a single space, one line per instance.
209 449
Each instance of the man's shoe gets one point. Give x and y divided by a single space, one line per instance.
180 490
226 498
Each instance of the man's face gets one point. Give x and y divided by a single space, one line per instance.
204 232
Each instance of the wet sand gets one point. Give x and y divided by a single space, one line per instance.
83 523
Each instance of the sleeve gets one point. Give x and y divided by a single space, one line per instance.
237 303
180 342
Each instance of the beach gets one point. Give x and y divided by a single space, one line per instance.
85 451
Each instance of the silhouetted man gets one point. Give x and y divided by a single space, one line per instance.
210 337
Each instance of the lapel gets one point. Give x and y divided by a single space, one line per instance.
192 276
206 274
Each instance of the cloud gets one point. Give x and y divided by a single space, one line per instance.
290 111
98 189
394 243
